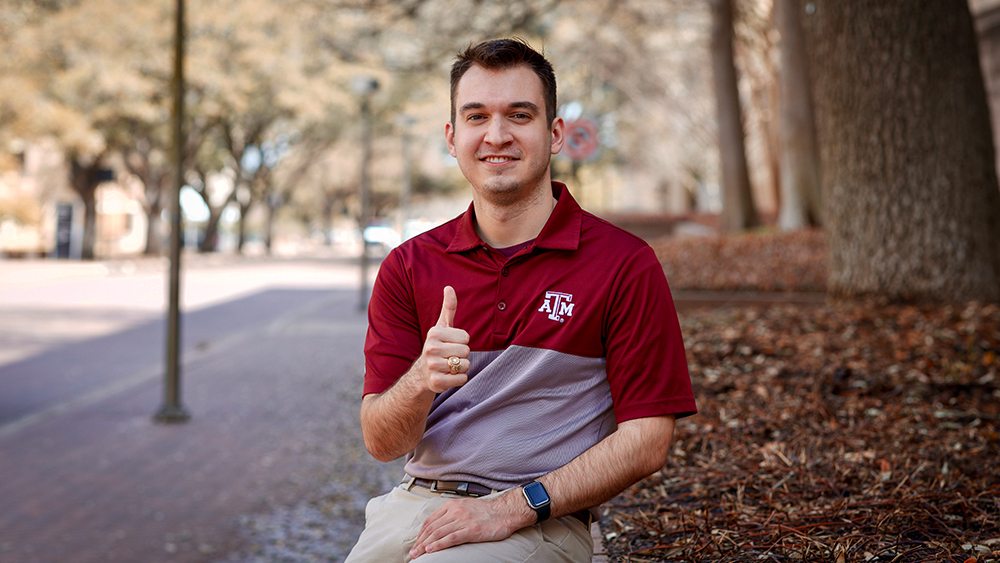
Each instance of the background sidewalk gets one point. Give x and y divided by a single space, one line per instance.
271 465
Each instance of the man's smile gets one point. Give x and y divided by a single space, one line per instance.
498 159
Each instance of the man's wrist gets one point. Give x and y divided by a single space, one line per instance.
416 381
538 500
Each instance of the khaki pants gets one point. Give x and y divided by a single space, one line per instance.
393 521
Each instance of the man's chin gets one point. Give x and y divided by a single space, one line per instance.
501 185
502 191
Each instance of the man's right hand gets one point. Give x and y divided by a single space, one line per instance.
393 421
443 342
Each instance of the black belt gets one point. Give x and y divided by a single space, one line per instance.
469 489
462 488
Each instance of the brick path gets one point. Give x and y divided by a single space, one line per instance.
271 380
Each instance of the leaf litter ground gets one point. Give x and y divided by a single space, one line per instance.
850 431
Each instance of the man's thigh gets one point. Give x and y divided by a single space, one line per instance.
563 540
393 521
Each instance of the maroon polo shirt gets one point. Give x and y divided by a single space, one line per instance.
571 335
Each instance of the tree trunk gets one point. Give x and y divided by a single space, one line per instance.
912 204
84 179
772 133
210 242
154 192
269 226
153 243
800 172
137 158
737 203
89 224
157 186
242 228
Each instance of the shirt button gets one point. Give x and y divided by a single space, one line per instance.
502 305
505 272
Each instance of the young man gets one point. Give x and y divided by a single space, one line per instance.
525 356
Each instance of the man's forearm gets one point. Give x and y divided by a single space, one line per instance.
638 448
393 421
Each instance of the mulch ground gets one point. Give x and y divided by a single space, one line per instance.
766 261
854 431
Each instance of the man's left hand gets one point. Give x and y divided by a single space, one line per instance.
461 521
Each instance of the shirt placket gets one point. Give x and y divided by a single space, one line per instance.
504 307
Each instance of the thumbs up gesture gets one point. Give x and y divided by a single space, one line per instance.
446 349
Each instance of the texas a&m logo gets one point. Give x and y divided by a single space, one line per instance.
557 304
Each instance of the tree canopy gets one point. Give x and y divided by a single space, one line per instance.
94 75
274 121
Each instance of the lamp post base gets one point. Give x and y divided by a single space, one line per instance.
171 414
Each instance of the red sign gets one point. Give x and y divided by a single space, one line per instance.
582 142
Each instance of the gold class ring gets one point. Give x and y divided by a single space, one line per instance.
454 363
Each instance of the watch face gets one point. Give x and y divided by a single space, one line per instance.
536 495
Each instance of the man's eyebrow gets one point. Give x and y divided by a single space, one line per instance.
479 105
471 105
525 105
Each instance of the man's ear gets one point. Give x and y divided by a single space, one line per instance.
558 134
449 138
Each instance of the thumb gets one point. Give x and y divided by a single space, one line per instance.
448 307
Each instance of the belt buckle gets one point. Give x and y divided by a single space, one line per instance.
408 481
462 489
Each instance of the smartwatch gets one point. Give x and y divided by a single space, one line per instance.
538 500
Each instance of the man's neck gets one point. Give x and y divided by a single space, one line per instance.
505 226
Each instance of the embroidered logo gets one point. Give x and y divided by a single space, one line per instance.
558 305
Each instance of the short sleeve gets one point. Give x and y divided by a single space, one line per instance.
394 338
646 363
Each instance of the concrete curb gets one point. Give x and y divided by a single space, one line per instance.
715 298
600 556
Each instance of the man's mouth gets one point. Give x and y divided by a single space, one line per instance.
497 159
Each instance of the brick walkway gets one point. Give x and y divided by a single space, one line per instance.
272 382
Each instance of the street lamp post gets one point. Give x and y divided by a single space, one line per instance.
364 87
172 411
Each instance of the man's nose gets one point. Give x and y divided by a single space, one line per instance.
498 133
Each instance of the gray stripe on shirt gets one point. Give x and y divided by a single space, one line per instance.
523 413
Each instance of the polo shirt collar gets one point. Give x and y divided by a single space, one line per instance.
561 230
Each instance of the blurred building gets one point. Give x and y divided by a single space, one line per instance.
41 216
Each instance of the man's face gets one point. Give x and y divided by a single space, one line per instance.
500 137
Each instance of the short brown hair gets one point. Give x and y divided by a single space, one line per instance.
502 54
